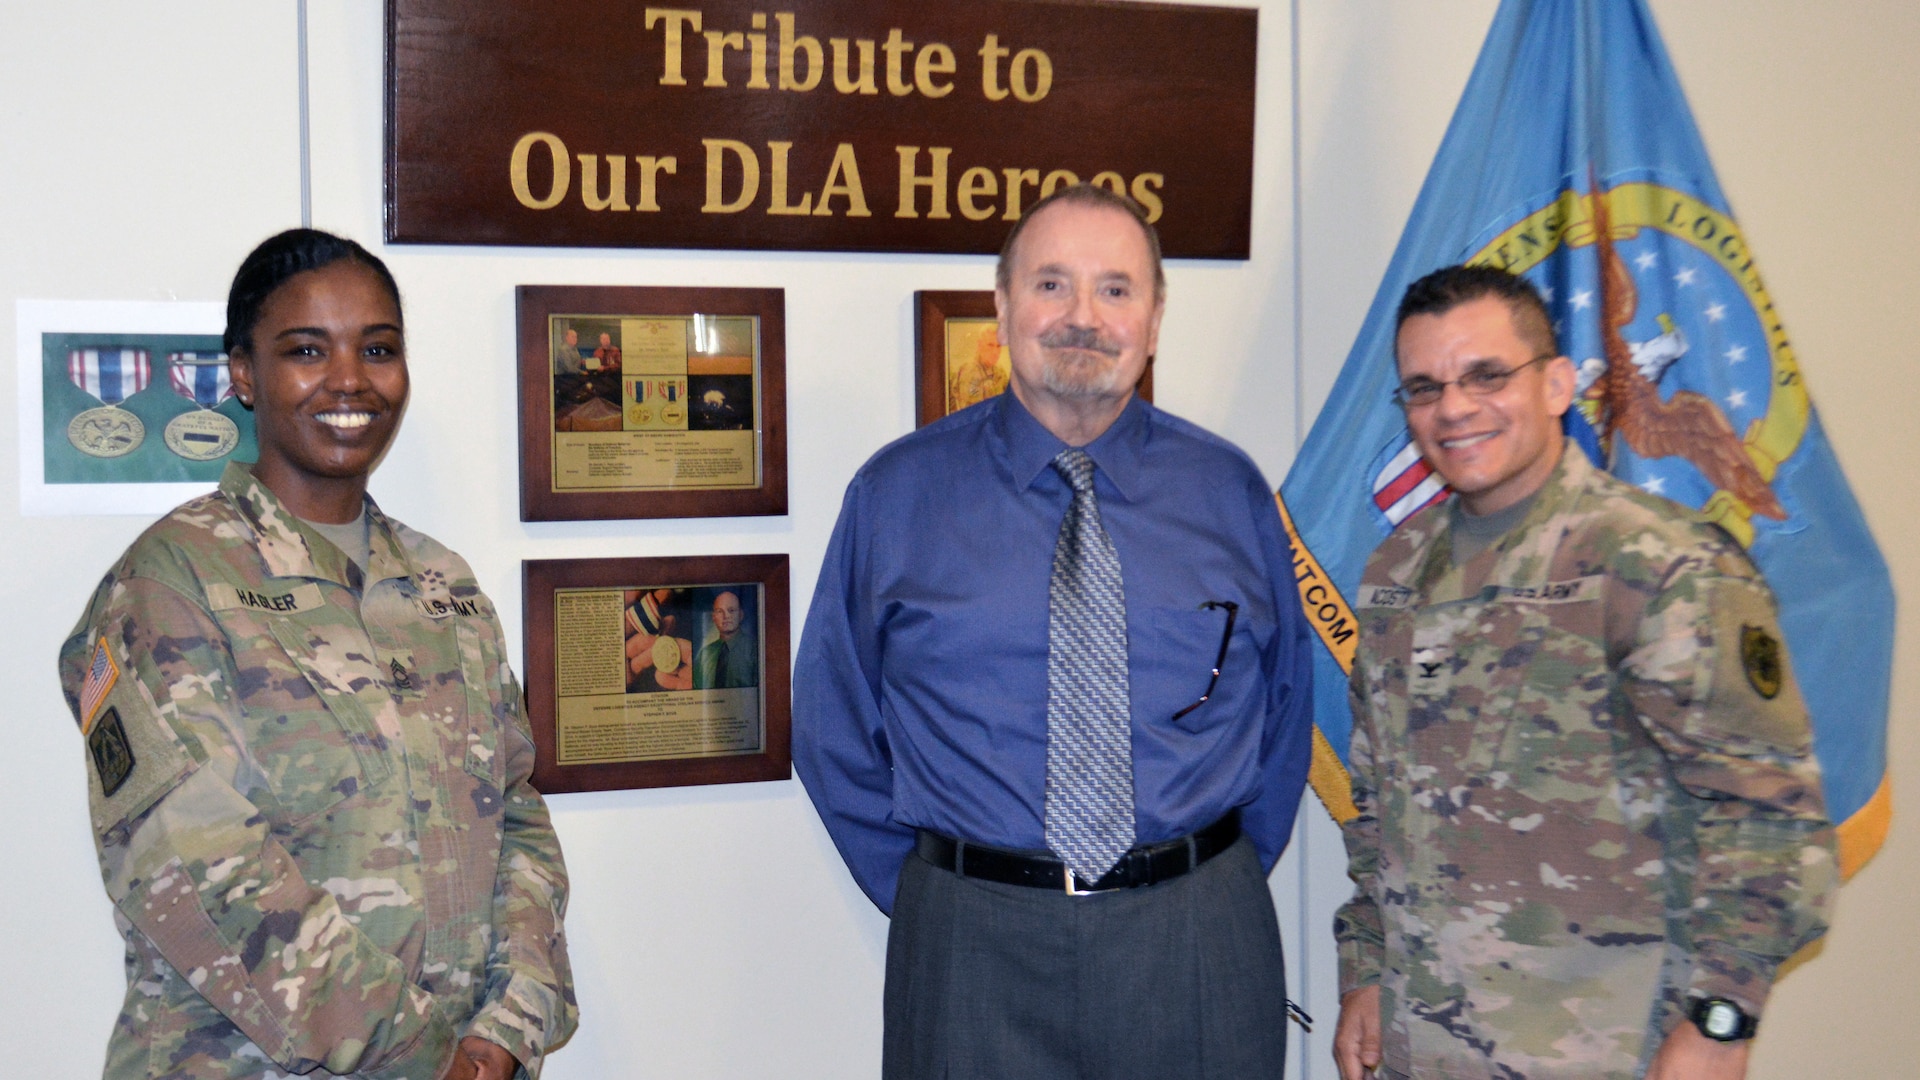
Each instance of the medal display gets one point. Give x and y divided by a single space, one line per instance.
666 654
109 375
201 435
107 432
644 617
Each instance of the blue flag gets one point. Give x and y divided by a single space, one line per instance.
1573 160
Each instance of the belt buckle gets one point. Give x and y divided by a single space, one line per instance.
1066 872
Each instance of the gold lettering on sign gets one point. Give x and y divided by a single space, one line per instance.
974 183
896 48
1144 187
991 54
841 82
650 169
676 19
789 47
843 178
517 170
758 80
935 59
1016 177
717 45
1030 86
717 149
616 196
778 195
910 179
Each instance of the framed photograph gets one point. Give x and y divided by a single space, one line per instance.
961 360
657 672
643 402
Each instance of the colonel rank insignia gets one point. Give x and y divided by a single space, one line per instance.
1760 655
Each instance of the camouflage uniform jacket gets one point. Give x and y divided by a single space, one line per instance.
1585 784
310 798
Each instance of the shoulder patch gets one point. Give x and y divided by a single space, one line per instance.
1760 656
278 600
101 675
112 754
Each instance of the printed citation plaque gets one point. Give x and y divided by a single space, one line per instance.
657 672
651 402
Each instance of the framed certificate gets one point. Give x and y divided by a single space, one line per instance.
651 402
657 672
960 359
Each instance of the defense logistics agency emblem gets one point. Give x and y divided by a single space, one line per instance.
1685 368
1760 656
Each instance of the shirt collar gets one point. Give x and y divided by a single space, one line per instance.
1118 453
1432 560
290 549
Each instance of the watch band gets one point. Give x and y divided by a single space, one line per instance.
1721 1020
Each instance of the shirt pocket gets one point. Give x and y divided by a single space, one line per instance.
309 731
1553 693
479 672
1174 652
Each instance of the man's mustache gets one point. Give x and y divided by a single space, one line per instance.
1079 337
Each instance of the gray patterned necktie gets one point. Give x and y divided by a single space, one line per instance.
1089 733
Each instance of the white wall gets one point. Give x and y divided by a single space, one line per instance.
144 148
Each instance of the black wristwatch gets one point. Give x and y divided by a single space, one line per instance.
1721 1020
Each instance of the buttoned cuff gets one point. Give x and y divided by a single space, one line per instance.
526 1019
525 1051
1720 971
1360 964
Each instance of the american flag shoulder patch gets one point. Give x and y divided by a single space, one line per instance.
101 676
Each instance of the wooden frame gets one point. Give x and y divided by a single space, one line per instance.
666 433
947 317
628 722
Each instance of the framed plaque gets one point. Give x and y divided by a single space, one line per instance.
960 359
820 125
657 672
651 402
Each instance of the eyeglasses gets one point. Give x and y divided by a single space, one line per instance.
1479 382
1226 635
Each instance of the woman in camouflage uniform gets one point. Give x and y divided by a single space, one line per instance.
307 764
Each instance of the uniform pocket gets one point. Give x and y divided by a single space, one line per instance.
479 670
1553 695
313 737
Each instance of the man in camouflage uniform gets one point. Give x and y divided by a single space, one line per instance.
309 791
1588 807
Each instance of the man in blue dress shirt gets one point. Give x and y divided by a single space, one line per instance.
924 704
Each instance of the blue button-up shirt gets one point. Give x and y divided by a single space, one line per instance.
920 694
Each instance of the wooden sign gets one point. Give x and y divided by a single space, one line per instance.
818 125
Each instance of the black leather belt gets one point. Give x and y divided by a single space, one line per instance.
1148 864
